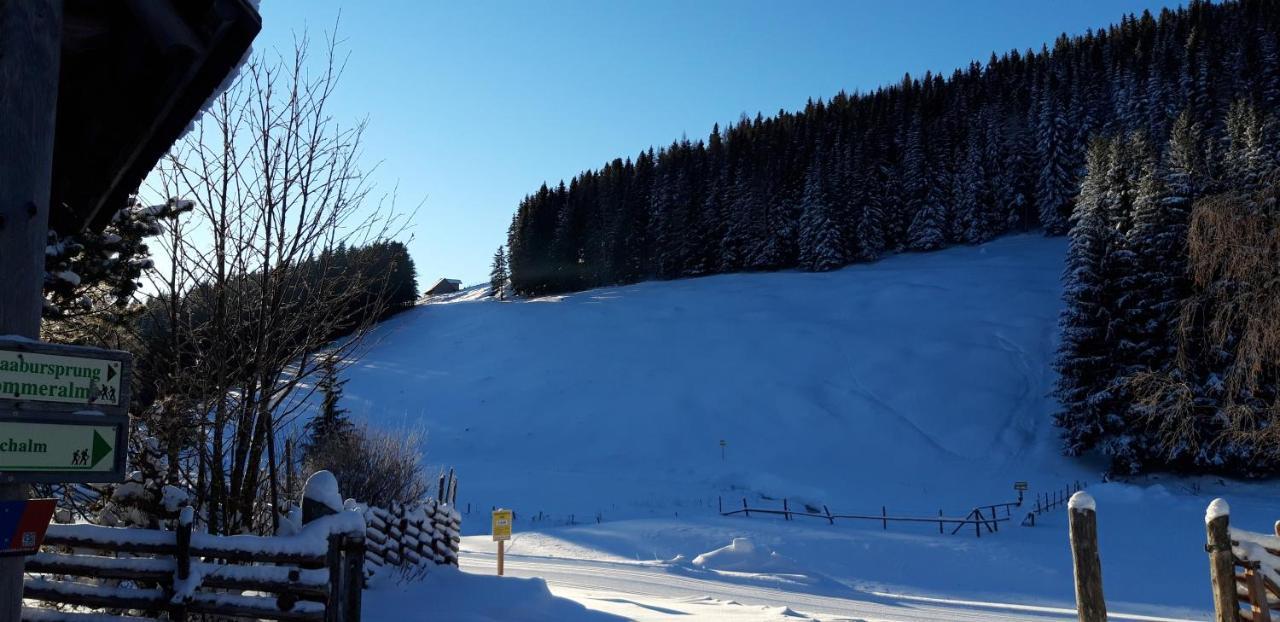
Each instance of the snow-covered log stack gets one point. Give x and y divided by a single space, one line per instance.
414 537
411 538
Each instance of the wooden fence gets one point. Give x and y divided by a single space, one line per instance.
980 519
1242 568
411 538
314 576
1051 500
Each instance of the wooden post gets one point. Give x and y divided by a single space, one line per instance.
884 518
745 511
832 521
288 467
334 608
939 520
786 510
178 612
1083 519
502 552
30 59
1258 605
1222 563
353 577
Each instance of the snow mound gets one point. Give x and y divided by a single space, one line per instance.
740 555
449 594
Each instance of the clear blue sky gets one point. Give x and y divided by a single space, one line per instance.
473 104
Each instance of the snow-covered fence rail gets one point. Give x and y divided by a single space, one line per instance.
411 538
976 517
1244 567
314 575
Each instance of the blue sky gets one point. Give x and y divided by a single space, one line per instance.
473 104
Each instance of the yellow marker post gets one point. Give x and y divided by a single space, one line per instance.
501 533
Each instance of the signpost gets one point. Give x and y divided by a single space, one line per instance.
63 412
1021 487
501 533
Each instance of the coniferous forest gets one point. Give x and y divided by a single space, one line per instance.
1113 137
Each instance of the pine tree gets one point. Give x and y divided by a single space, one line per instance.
928 230
498 277
1053 186
820 247
1084 360
332 425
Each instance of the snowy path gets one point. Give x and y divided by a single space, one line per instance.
645 593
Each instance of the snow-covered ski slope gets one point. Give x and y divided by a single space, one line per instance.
919 383
922 377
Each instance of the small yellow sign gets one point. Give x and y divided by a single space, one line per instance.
501 525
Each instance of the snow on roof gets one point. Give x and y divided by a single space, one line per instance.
443 281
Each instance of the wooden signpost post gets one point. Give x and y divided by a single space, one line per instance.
501 533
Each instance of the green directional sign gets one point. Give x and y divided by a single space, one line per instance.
40 377
28 446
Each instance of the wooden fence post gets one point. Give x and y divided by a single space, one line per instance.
334 608
1222 563
353 577
1258 605
178 612
1083 519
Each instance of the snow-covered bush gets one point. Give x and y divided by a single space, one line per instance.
377 467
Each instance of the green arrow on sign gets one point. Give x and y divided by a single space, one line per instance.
100 449
56 447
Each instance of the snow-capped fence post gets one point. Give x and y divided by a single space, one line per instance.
1222 572
1083 526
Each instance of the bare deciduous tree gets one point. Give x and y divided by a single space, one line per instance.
255 287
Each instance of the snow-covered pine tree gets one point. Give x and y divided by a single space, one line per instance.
1055 181
1162 208
87 271
973 203
498 277
820 247
871 224
1084 362
928 230
742 211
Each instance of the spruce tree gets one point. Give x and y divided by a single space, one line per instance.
1084 361
332 425
820 247
498 277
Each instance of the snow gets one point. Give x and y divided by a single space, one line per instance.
449 594
918 383
1082 502
1217 508
322 487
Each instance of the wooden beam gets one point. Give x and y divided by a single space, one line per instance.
30 58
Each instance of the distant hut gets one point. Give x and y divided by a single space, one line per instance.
444 286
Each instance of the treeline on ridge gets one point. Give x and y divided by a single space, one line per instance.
920 165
